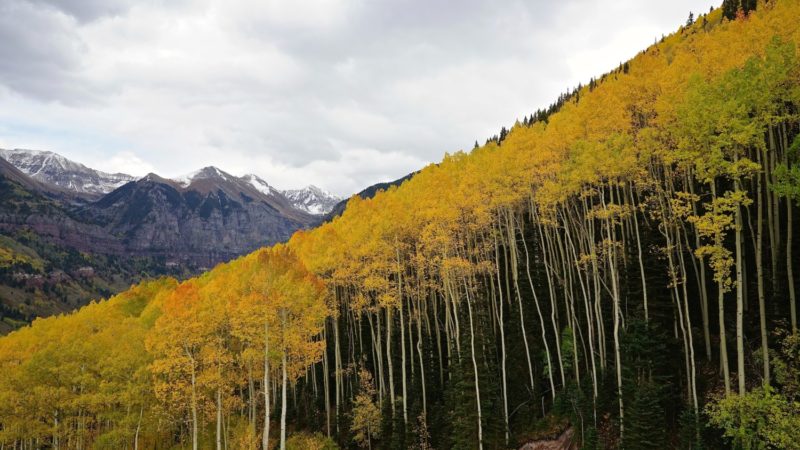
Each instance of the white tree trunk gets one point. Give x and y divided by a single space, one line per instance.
265 436
283 401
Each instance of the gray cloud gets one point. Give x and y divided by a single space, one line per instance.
339 93
88 10
40 52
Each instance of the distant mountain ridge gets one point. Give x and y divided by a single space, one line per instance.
199 219
65 241
52 168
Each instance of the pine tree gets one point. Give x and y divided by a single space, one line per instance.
645 425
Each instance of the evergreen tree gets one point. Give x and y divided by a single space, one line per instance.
645 426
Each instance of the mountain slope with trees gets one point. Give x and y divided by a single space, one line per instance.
62 246
621 265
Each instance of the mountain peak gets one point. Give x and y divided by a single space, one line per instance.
155 178
312 199
54 169
206 173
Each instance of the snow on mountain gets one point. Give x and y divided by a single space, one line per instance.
260 185
312 199
54 169
206 173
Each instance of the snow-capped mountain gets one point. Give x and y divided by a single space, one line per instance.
52 168
312 199
260 185
206 173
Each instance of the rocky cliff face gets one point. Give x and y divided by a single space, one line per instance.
211 218
30 205
200 219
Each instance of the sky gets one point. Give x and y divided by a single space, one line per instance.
336 93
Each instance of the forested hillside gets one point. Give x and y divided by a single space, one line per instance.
621 265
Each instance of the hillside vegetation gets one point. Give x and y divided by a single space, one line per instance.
621 264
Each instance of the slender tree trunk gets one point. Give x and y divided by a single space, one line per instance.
390 366
219 419
701 275
194 402
402 343
337 369
739 299
617 313
475 368
265 435
541 322
421 363
56 444
284 381
759 249
693 378
499 309
283 400
641 261
138 429
553 306
513 244
325 387
723 342
789 270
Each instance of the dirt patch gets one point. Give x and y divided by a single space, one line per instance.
564 442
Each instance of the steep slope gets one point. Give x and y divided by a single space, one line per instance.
54 169
48 259
619 267
9 172
338 209
58 254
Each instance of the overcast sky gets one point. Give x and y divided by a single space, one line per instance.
336 93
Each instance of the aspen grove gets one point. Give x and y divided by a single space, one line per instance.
620 263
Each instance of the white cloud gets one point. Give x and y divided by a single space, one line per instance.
125 162
336 93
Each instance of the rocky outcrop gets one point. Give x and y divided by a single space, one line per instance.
564 442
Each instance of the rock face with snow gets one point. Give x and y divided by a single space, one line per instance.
205 217
312 200
54 169
201 218
261 185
